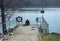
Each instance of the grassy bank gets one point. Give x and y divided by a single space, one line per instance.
49 37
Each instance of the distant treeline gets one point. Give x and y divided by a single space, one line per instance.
32 3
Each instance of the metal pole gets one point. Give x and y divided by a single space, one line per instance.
13 21
9 23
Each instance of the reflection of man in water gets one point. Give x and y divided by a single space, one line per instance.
27 22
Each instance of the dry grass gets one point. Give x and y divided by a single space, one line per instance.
49 37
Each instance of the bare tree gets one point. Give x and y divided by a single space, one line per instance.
3 16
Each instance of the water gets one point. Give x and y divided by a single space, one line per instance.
52 17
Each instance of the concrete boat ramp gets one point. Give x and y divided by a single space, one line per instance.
25 33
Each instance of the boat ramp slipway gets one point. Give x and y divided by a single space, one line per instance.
24 33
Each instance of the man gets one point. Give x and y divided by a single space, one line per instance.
27 22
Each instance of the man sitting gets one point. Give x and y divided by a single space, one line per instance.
27 22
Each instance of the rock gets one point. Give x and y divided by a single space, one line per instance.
10 34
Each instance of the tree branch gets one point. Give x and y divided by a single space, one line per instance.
8 3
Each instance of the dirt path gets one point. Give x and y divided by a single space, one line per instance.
25 33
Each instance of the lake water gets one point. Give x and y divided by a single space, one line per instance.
52 18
